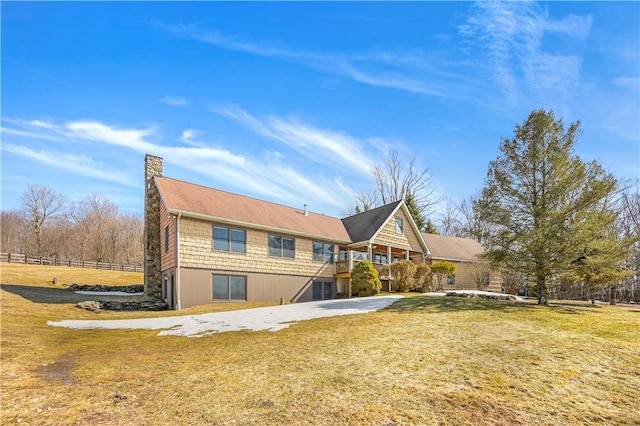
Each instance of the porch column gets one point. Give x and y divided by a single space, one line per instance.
406 255
389 259
369 252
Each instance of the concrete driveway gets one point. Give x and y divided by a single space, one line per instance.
272 318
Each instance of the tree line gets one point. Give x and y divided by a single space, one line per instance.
93 229
548 220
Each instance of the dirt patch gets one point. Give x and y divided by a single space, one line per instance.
59 371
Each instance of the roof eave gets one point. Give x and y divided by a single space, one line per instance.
456 259
407 213
226 221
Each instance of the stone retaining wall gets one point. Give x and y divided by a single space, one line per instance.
135 288
123 305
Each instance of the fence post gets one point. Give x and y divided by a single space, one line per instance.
9 257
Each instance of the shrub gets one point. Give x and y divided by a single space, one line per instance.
365 281
423 277
403 275
442 269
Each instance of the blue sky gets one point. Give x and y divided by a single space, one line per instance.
294 102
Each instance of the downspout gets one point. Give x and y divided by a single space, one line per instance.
178 261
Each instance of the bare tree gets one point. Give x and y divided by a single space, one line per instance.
132 245
365 201
450 220
13 231
395 181
40 203
95 216
472 224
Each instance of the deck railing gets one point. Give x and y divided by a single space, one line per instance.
345 261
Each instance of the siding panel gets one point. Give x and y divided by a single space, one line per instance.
407 240
196 251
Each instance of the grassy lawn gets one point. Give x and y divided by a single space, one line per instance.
425 360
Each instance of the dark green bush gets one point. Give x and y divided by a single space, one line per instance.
365 281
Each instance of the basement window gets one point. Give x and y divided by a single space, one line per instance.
229 287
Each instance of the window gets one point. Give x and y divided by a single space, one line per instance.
229 239
380 258
485 279
280 246
399 225
322 290
451 279
238 241
229 287
166 239
322 252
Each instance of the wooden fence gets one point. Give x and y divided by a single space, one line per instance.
29 260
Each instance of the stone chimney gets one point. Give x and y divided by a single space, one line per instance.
152 238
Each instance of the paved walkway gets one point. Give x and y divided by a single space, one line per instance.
272 318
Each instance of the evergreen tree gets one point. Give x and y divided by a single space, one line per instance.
535 196
601 257
430 228
410 201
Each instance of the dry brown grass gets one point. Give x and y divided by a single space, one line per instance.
425 360
41 275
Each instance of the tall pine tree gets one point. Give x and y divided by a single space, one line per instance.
535 194
410 201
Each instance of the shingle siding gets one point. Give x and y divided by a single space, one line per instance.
196 251
408 240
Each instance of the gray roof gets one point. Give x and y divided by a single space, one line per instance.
363 226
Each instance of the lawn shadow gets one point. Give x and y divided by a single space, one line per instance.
50 295
437 304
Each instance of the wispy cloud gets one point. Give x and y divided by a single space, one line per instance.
509 36
412 71
266 174
175 101
320 145
632 83
77 164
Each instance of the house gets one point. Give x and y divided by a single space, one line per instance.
472 273
204 245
